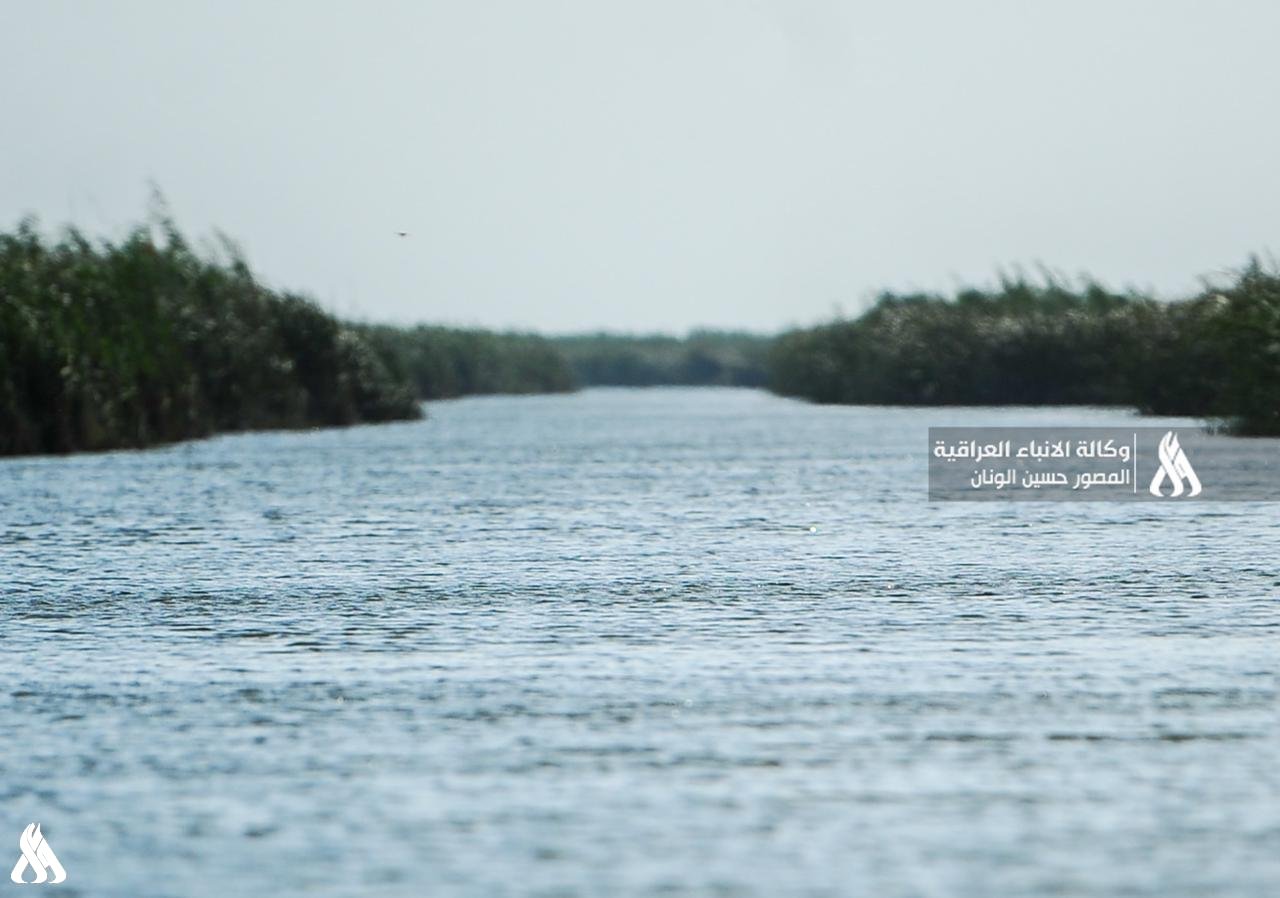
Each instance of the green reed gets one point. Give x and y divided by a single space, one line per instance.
1216 355
144 341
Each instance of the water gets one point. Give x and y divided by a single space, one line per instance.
668 642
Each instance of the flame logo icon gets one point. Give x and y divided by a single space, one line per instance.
1174 466
37 855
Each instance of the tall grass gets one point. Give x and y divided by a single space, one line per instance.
441 362
144 341
1216 355
107 345
703 358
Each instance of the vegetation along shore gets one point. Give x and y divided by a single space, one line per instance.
1214 356
108 345
144 341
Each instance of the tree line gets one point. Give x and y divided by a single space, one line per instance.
703 358
444 362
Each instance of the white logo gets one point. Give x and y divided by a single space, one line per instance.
1174 465
37 855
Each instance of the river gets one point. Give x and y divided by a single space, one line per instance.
629 642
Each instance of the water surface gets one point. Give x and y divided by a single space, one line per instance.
662 642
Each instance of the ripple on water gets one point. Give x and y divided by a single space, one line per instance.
629 643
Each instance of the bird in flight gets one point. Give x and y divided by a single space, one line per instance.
402 233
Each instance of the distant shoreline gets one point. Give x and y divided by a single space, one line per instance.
144 342
1214 356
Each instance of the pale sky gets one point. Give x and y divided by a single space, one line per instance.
659 164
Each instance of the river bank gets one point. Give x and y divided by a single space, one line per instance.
1214 356
130 344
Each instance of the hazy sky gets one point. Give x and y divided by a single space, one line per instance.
655 165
